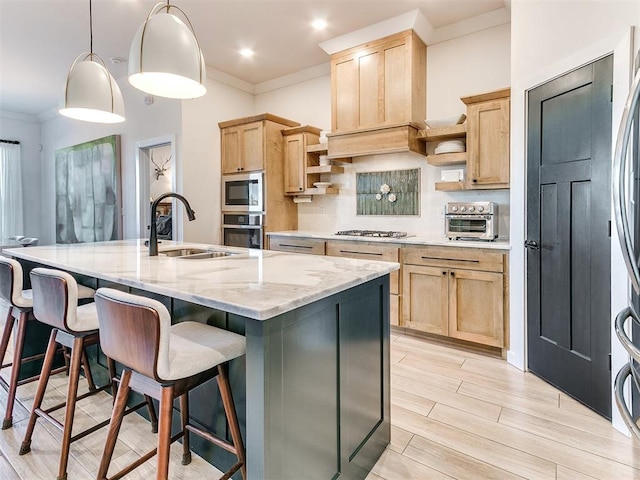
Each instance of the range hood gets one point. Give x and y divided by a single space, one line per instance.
395 138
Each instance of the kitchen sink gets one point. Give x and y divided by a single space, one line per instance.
195 253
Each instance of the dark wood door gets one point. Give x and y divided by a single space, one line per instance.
568 233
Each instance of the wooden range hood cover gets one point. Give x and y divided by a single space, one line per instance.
379 140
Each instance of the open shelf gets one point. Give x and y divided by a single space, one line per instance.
449 186
446 159
443 133
318 148
325 169
321 191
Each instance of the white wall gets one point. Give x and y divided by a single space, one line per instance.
548 39
26 130
455 68
142 122
201 155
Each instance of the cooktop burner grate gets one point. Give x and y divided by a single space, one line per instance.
372 233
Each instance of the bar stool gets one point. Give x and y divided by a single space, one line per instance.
21 310
165 361
55 295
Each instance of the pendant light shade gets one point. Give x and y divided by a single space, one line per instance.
165 58
91 94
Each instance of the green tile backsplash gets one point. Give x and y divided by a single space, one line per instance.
401 198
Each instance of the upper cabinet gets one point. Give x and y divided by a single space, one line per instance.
296 141
246 142
379 83
378 97
488 139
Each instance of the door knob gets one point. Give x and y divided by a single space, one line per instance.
532 245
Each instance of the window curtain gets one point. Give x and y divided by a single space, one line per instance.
11 221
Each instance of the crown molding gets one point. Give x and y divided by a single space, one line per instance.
307 74
413 20
478 23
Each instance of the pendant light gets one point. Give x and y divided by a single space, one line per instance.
165 58
91 94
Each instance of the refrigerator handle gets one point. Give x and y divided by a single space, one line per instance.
620 185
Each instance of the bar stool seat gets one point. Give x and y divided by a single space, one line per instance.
76 327
21 310
165 361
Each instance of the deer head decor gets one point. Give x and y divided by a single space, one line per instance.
159 170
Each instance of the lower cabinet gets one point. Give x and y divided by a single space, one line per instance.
452 292
456 293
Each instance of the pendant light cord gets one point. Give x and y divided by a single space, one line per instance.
90 30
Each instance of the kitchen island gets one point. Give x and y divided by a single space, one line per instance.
312 393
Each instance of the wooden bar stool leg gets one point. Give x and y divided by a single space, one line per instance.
115 424
152 414
77 351
42 386
112 377
6 335
66 356
184 417
164 432
232 419
87 371
15 371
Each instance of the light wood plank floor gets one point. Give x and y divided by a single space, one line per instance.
454 414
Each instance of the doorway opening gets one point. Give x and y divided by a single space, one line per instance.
156 173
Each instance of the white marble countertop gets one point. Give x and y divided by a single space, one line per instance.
259 284
499 244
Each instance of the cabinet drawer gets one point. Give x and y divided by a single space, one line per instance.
454 257
311 246
385 253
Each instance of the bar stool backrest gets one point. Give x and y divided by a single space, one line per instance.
11 277
53 292
134 331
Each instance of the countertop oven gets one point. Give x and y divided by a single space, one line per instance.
242 229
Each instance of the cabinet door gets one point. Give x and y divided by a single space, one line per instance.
488 144
231 149
476 307
425 299
311 246
252 147
344 85
294 163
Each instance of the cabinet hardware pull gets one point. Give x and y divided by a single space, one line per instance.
453 274
361 253
474 180
294 246
444 273
450 259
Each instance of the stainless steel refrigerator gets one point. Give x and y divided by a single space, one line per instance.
626 192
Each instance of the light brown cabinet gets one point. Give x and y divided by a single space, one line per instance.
311 246
382 82
488 140
247 143
486 131
456 292
296 162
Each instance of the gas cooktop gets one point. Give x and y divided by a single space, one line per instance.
372 233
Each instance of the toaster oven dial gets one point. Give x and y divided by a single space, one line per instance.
463 208
481 209
454 209
472 209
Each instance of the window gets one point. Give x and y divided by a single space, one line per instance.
10 189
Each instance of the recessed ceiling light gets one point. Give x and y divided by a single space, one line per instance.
247 52
319 24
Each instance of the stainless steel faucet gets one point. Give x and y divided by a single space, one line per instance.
153 235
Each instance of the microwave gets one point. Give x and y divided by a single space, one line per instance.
243 192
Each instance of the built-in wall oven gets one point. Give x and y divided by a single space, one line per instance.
243 192
242 229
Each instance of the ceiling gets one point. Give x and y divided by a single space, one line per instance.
39 39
